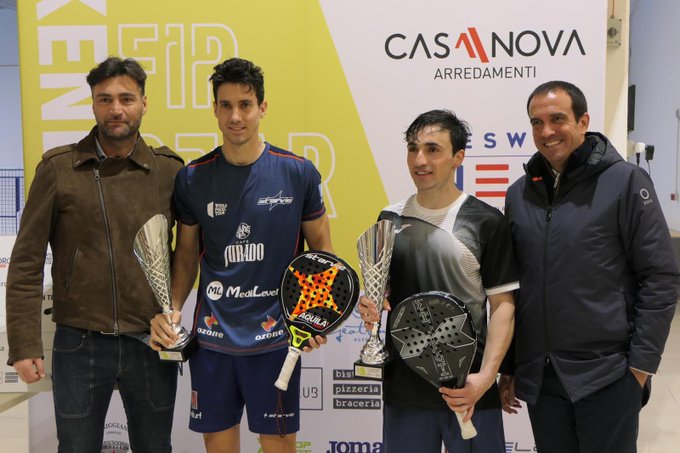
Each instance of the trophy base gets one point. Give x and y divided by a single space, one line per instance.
181 352
374 372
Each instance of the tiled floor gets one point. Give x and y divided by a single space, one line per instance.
14 429
660 419
659 422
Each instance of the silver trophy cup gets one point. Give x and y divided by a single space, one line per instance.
153 253
375 253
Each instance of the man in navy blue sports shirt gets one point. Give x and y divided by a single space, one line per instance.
245 210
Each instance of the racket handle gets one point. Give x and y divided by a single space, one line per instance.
467 429
287 368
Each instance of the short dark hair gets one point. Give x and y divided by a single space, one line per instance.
458 130
240 71
114 67
579 105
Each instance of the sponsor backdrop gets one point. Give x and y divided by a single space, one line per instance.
9 378
343 81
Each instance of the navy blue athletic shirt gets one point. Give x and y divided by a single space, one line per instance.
250 218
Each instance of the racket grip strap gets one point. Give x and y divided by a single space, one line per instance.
287 368
467 429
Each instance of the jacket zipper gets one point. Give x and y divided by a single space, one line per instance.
548 218
107 230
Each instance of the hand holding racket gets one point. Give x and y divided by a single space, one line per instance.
434 335
318 292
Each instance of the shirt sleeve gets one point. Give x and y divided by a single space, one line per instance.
181 198
647 244
498 265
314 205
27 263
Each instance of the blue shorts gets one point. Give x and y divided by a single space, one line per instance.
222 384
406 430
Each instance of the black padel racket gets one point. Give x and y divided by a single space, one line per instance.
434 335
318 292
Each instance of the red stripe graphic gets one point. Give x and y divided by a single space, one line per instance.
198 164
490 194
491 180
492 167
286 155
478 45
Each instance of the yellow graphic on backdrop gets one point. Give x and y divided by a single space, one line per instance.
311 109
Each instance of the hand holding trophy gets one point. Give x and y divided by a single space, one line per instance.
375 253
153 253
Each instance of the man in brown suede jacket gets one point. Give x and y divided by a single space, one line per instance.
87 201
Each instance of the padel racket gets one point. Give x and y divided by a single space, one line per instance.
433 333
318 292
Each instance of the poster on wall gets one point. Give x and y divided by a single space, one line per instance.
478 59
343 81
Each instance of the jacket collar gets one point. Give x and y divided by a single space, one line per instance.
595 154
86 151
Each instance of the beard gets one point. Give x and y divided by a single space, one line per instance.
120 132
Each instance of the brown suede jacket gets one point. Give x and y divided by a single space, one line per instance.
89 210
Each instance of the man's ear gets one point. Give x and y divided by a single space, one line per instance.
584 122
458 157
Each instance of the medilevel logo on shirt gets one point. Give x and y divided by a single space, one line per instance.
278 199
214 290
216 209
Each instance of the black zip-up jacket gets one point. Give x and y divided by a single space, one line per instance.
599 278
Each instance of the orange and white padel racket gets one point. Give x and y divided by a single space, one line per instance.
318 292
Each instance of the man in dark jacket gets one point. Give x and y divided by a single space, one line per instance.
599 282
88 200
